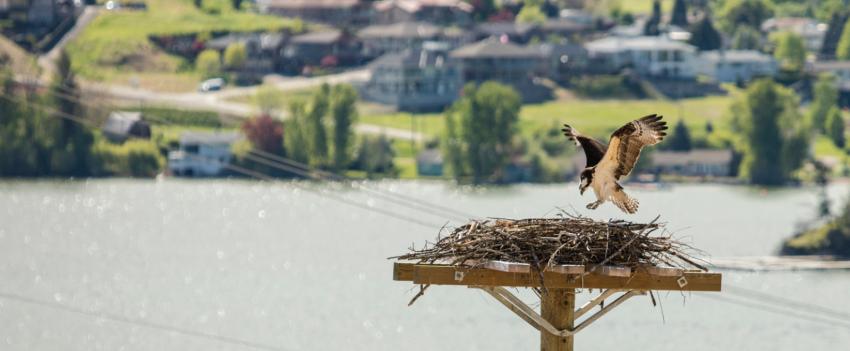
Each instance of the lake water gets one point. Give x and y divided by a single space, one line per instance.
277 265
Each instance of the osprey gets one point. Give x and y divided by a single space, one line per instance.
606 165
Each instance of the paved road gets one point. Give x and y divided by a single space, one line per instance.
212 101
216 101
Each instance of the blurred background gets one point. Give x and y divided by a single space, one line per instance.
232 175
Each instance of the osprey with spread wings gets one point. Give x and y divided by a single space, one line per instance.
606 165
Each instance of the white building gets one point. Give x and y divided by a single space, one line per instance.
736 65
694 163
647 55
809 29
202 154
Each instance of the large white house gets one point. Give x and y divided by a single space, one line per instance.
736 65
647 55
202 154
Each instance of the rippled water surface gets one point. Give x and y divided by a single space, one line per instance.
284 265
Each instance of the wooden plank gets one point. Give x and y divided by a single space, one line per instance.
452 275
557 307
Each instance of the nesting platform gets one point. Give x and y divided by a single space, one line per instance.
558 318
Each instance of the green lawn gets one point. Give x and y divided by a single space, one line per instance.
115 46
284 97
591 117
637 6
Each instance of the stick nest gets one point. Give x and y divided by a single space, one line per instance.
543 242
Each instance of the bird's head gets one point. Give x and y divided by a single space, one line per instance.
586 178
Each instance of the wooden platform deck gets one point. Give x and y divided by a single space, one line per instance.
436 274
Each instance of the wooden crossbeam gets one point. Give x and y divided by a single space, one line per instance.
437 274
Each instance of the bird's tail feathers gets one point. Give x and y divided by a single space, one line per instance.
624 201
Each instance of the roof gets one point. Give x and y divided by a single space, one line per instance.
430 156
549 49
303 4
412 58
208 137
509 28
492 47
737 56
224 41
565 25
614 44
784 23
412 6
120 122
824 66
329 36
696 156
401 30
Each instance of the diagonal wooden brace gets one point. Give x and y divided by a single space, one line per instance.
535 320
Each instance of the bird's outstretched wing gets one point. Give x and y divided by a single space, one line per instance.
593 150
626 143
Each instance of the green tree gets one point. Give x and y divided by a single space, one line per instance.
452 146
825 98
790 51
736 13
836 127
680 14
825 10
746 38
295 136
704 36
208 63
344 112
652 24
72 152
375 155
681 138
235 56
237 4
842 52
488 116
772 136
531 13
317 134
483 9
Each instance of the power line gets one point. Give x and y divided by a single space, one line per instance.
286 164
258 175
434 209
776 310
143 323
744 292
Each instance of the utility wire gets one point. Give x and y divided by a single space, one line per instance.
304 170
778 310
140 322
258 175
744 292
799 309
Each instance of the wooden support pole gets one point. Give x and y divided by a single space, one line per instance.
557 306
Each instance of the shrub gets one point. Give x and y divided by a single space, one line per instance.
606 87
208 63
134 158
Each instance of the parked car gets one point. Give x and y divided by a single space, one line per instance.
212 84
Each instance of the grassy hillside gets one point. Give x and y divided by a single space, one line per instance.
115 46
592 117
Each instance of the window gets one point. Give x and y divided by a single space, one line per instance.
191 148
